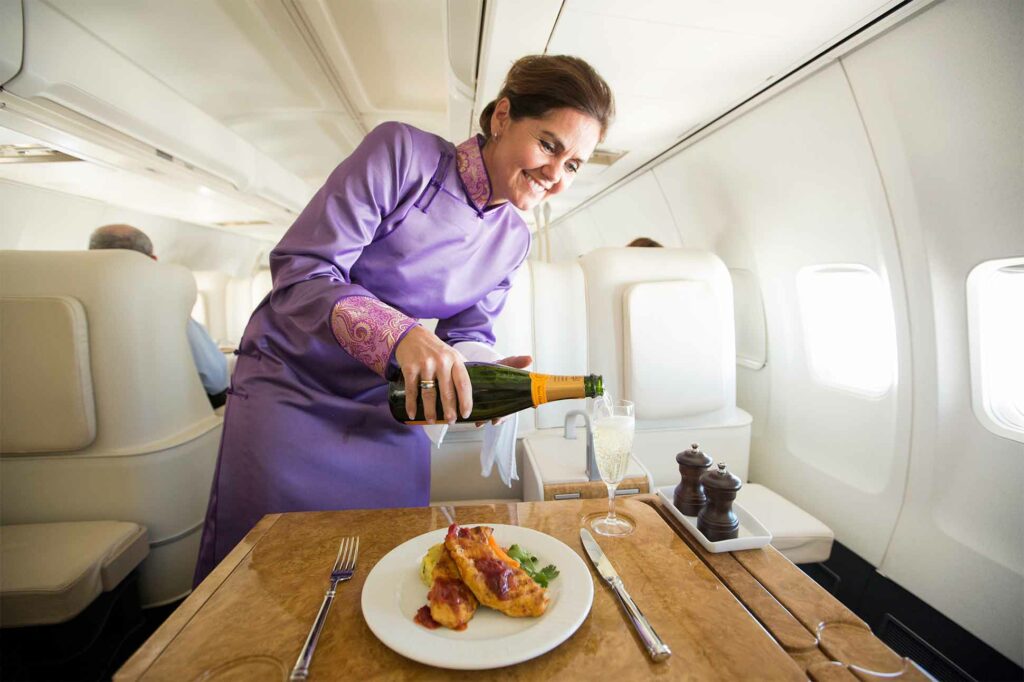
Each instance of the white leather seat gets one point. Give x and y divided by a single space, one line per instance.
104 416
662 332
49 572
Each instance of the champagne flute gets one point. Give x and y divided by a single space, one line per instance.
613 424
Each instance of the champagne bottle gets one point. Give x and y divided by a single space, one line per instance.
499 391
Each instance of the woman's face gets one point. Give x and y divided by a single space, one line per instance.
532 159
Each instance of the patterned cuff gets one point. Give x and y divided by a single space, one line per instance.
368 329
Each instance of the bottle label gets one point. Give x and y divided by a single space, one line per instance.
548 387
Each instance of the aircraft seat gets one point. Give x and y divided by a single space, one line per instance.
103 415
53 571
659 327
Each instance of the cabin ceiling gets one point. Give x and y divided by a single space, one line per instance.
304 80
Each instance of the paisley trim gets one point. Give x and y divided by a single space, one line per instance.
470 162
368 329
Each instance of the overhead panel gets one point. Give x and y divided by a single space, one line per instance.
677 64
397 49
512 29
12 39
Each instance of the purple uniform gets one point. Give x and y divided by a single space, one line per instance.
400 231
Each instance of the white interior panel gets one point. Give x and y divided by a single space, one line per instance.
748 311
40 219
795 178
942 97
577 235
11 40
638 209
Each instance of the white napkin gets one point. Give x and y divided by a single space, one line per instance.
499 441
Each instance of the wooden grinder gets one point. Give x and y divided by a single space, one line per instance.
689 496
717 520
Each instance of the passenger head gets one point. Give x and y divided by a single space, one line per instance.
121 237
544 125
643 241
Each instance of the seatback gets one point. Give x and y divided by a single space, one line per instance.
661 332
117 427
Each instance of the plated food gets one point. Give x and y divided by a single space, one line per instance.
470 568
394 590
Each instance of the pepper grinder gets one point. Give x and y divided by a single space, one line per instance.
717 520
689 496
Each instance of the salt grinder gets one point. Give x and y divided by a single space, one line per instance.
689 496
717 520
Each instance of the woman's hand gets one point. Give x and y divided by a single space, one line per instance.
424 357
517 361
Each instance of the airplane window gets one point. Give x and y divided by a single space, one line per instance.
996 331
849 328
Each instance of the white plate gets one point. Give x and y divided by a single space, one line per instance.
751 536
393 593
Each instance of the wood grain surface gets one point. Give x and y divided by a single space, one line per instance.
825 638
248 620
594 490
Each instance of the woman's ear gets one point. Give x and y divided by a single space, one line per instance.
501 118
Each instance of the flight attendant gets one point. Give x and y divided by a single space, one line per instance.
409 226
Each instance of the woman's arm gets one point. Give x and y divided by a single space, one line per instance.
312 263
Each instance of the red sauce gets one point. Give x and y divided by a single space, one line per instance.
499 577
424 618
449 591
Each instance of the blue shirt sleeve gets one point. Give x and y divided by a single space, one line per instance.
210 362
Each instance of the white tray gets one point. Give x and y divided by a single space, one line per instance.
751 536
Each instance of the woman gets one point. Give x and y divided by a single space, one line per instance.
409 226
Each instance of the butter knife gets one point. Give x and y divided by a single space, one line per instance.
657 649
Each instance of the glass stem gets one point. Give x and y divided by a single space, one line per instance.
611 500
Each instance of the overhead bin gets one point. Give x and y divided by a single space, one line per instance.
65 67
12 40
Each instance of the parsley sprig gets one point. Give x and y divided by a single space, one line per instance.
529 563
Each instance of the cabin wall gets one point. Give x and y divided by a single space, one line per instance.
33 218
903 157
942 100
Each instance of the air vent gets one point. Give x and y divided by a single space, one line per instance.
32 153
605 157
906 642
242 223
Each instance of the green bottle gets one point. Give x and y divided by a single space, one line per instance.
499 391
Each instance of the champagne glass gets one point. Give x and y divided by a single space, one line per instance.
613 424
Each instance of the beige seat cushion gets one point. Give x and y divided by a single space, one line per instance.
49 572
800 537
46 394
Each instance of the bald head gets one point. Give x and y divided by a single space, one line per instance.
121 237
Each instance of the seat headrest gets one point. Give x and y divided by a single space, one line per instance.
609 274
46 393
672 347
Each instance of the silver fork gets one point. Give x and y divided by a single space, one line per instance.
344 566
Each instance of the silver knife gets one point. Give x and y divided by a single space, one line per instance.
658 650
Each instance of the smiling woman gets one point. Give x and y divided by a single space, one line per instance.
410 226
549 115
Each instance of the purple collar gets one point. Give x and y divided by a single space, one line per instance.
470 162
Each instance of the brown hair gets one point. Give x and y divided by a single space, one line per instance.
536 84
643 241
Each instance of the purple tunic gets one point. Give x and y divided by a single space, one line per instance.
307 425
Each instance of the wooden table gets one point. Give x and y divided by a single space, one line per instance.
743 615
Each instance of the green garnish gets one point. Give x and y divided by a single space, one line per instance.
528 563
